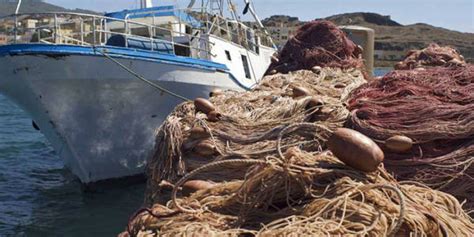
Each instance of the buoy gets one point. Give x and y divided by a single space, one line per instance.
299 91
203 105
198 133
205 148
355 149
272 72
316 69
399 143
314 102
214 116
215 93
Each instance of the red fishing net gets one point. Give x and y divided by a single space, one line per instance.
317 43
434 106
433 55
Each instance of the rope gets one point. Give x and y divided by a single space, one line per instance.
162 89
149 212
204 168
401 197
298 126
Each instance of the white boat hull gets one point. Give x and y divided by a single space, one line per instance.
99 118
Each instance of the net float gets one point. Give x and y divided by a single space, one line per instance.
166 185
299 91
214 116
399 143
355 149
272 72
215 93
203 105
192 186
339 86
205 148
314 102
316 69
198 133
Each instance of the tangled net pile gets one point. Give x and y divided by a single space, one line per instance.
433 55
250 123
307 194
319 43
435 108
264 156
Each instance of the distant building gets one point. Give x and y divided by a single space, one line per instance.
3 39
29 23
281 28
281 32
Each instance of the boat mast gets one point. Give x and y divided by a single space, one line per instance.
18 7
146 3
249 8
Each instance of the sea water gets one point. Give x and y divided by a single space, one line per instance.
39 197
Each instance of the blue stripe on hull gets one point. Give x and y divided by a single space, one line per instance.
50 49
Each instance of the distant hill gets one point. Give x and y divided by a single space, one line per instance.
390 35
393 36
363 18
288 20
7 7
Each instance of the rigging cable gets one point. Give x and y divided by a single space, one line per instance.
162 89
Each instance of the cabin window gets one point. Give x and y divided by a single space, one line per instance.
227 53
245 62
189 30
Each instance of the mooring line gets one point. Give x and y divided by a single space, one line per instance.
162 89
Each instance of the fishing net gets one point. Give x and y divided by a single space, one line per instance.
433 55
317 43
305 194
261 160
249 124
435 108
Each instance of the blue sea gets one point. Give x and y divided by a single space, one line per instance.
39 197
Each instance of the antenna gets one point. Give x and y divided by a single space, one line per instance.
18 7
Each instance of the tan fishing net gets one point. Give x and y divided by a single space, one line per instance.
257 164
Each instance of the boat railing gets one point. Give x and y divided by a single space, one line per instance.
96 30
231 30
236 32
214 24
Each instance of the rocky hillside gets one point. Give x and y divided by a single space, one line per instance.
288 20
7 7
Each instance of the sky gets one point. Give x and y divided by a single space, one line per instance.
453 14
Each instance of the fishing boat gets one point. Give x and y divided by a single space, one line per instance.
98 86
